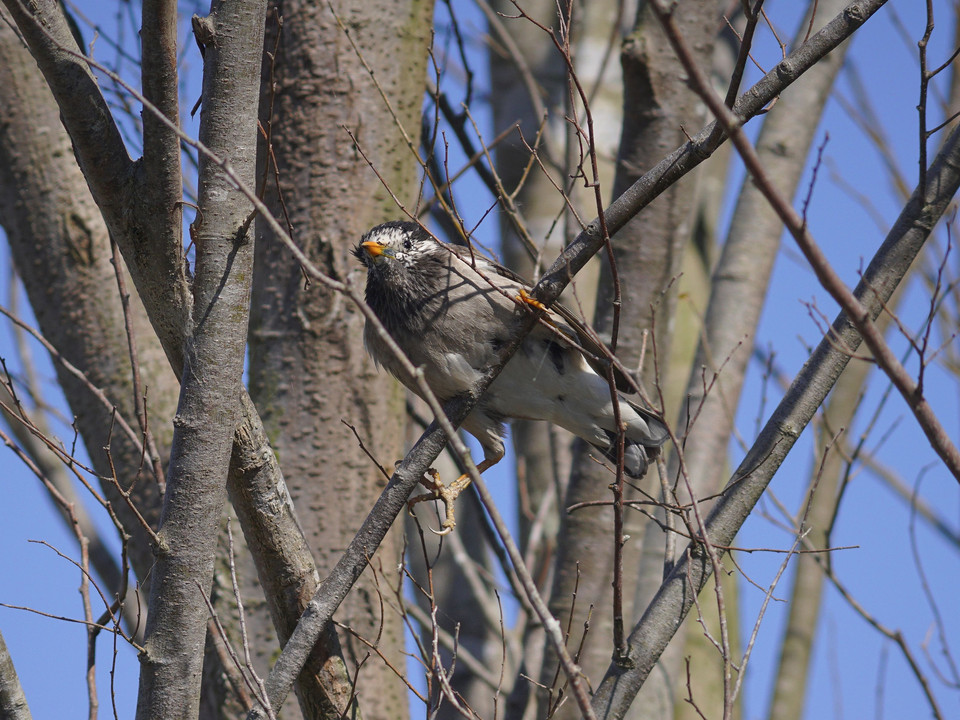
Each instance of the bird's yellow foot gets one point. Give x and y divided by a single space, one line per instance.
446 494
525 298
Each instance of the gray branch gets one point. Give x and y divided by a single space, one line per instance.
335 586
807 392
13 703
161 178
211 382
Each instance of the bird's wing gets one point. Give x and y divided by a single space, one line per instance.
573 333
597 353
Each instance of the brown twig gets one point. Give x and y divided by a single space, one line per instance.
230 661
77 373
139 394
894 635
746 42
831 282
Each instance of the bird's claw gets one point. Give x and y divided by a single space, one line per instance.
446 494
527 299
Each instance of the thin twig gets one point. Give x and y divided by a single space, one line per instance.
910 390
139 393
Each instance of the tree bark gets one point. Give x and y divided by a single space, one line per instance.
13 703
308 368
648 253
210 389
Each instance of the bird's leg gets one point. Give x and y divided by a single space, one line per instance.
446 494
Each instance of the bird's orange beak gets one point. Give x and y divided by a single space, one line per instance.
373 248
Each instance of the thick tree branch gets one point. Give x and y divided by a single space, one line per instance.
61 248
741 277
738 289
13 703
702 145
335 586
101 152
161 179
211 387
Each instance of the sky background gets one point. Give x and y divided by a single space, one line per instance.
853 667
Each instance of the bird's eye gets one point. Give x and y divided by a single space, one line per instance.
407 244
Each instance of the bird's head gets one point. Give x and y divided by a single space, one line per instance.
404 266
394 246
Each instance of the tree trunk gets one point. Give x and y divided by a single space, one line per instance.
211 389
648 254
308 368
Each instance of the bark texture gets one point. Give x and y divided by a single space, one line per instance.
648 253
211 389
13 704
308 368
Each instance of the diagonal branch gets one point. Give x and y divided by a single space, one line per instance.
335 586
675 597
702 145
910 389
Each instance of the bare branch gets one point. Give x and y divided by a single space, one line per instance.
210 396
162 186
806 393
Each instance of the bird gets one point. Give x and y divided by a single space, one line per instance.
451 310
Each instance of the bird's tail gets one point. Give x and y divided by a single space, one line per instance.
641 444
